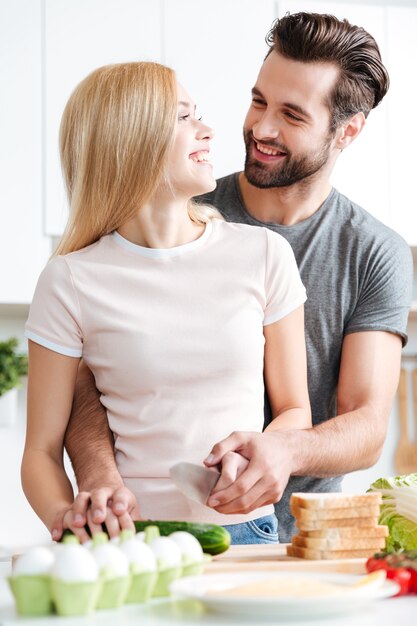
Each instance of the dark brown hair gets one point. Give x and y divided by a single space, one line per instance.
313 37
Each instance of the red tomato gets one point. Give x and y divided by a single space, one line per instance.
374 563
413 581
402 576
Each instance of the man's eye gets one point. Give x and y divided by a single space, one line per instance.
258 102
293 117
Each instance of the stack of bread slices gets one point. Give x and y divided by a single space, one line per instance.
336 525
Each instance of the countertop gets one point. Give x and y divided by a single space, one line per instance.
387 612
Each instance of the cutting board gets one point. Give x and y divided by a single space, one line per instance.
274 558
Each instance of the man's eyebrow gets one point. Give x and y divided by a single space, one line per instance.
256 92
289 105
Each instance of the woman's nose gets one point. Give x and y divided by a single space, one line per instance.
205 132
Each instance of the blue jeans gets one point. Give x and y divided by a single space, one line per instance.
261 530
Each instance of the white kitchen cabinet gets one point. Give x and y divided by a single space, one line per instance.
79 37
362 171
402 128
23 247
217 48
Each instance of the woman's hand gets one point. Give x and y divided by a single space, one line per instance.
111 506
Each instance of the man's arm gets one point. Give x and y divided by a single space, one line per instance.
350 441
89 443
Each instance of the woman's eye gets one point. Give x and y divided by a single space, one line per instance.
183 118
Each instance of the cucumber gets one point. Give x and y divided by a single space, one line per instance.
213 539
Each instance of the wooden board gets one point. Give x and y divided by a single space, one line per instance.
274 558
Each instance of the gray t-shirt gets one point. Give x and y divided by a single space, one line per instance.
358 277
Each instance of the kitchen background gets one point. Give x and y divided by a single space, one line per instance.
216 46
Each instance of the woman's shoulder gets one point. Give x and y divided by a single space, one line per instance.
257 234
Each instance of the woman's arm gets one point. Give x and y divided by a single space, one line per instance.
257 482
285 372
50 390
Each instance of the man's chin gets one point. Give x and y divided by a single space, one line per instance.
262 182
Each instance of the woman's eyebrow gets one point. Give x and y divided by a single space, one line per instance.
186 104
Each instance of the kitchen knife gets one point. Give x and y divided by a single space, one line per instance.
195 481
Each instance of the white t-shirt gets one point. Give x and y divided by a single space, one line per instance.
174 338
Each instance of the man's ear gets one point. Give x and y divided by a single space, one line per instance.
349 131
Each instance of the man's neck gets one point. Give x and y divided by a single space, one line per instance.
283 205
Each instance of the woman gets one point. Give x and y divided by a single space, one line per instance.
174 310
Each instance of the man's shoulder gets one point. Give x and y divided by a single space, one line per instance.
361 225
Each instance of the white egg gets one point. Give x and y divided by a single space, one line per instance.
189 545
74 563
167 552
34 562
109 556
139 553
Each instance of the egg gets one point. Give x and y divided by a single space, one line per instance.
110 559
139 554
34 562
189 545
74 563
167 552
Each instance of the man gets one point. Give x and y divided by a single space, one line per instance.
319 81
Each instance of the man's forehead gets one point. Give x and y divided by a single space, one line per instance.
287 78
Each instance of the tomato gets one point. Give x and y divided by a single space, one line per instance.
374 563
413 582
402 576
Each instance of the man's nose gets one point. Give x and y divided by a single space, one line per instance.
266 127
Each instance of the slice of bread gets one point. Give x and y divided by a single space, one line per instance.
309 515
321 524
326 543
351 532
309 553
335 500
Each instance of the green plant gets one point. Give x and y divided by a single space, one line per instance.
13 365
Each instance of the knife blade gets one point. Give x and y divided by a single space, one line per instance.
195 481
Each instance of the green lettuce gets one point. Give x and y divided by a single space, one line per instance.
398 510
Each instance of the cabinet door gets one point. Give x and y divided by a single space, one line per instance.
401 27
217 48
362 171
79 37
23 248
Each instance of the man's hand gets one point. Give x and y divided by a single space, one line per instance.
265 477
113 507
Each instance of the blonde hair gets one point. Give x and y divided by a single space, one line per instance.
115 135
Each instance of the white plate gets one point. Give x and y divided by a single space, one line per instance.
203 588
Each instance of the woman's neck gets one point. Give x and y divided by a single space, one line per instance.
158 225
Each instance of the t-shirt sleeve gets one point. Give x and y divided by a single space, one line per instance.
386 291
284 289
54 316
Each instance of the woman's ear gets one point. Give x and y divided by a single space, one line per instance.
349 131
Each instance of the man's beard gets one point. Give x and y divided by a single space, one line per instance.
291 171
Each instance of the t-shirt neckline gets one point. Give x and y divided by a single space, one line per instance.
159 253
